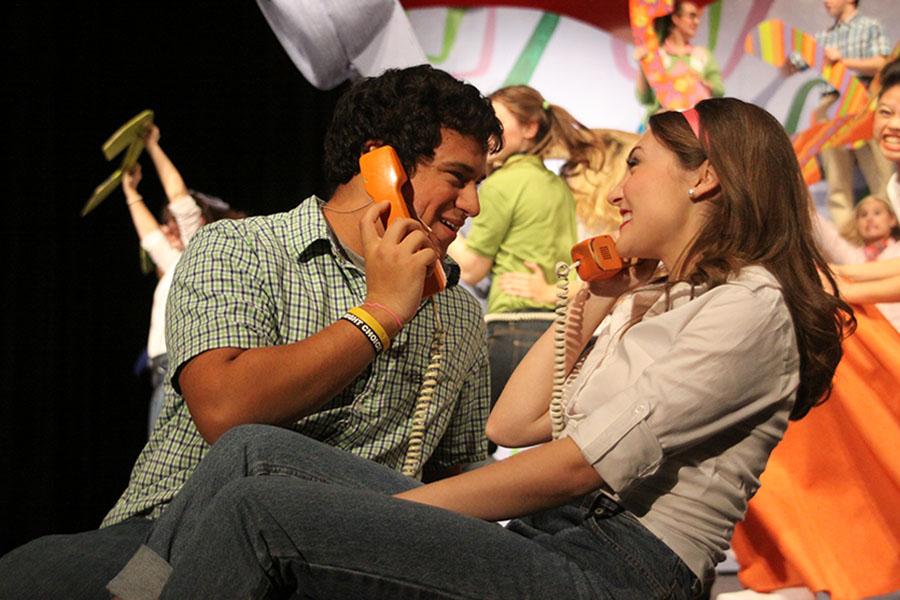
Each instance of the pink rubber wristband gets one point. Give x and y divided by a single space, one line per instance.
387 310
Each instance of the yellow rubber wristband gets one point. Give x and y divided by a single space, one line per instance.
373 323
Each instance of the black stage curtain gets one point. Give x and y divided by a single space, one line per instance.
237 119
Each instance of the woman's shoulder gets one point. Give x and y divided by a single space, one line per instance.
753 285
754 278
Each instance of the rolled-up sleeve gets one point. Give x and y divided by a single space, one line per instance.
735 357
219 298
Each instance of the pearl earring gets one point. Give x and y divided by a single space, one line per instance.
691 193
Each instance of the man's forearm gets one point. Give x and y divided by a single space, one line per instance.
277 385
865 66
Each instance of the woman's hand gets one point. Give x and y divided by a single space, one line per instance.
634 275
130 181
533 285
151 137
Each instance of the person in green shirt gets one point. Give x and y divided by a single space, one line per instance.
527 220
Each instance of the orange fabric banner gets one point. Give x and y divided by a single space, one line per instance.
828 513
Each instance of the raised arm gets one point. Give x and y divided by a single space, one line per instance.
254 381
144 221
832 244
169 176
521 415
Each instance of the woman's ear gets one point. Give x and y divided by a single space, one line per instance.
707 182
530 130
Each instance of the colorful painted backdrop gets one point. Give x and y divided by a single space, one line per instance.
590 70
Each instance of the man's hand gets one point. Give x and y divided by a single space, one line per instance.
397 260
832 55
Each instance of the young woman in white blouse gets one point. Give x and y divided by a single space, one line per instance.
698 366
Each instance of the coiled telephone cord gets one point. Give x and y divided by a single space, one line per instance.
557 417
412 464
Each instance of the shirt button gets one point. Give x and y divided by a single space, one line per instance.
640 408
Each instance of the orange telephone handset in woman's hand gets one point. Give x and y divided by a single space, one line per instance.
597 258
383 178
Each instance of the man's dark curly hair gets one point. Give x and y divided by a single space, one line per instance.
405 108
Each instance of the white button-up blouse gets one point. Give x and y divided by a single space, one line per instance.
678 413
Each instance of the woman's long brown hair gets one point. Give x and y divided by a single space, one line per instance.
761 215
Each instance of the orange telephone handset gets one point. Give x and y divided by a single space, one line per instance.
597 258
383 178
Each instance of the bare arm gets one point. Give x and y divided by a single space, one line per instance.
473 266
278 385
225 387
863 66
535 479
169 176
144 221
832 244
868 292
881 269
520 417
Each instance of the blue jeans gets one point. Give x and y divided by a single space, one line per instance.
70 566
270 513
159 365
508 343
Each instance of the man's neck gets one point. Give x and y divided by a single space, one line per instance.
849 13
344 210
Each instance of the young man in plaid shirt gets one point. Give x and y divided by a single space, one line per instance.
257 334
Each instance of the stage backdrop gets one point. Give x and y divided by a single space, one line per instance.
586 65
241 122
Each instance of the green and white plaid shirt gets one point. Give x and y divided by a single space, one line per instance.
265 281
860 37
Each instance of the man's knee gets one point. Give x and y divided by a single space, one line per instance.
263 440
243 436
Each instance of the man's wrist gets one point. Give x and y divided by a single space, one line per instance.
370 327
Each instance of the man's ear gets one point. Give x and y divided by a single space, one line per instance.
706 182
370 145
